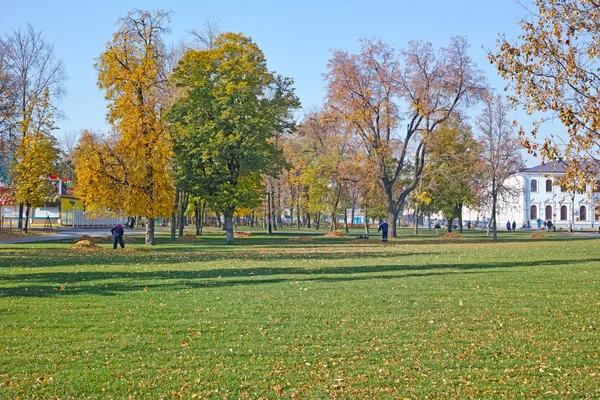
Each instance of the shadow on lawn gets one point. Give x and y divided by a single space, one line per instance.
114 282
43 258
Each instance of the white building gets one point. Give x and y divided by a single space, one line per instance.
539 197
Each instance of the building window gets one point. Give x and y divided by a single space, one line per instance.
582 213
534 185
548 212
548 185
533 212
563 213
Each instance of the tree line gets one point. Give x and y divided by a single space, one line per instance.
206 125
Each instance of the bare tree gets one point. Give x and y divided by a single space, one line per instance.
367 88
204 38
7 110
31 61
500 151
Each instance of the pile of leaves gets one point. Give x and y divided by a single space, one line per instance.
335 234
241 234
189 238
85 245
538 236
451 235
89 239
302 239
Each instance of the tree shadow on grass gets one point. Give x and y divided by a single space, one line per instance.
116 288
114 282
40 258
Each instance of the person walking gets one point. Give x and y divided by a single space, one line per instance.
508 225
117 232
436 226
383 227
514 226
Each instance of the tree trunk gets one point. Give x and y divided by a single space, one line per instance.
252 218
197 217
318 220
449 224
494 201
279 219
218 219
273 212
149 231
20 223
26 224
460 218
417 218
392 216
298 220
346 220
173 225
352 214
308 220
184 199
367 218
228 214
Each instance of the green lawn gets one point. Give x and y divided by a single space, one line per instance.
331 318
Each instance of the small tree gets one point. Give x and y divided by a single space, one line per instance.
500 152
450 175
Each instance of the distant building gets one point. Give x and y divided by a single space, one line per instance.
540 197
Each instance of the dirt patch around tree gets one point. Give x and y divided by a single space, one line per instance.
301 239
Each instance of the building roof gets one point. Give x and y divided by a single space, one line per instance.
558 167
550 167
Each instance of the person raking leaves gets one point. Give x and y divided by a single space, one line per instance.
117 232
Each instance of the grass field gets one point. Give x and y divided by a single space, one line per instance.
272 317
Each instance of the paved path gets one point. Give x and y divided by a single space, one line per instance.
67 233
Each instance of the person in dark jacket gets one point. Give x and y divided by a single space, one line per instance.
383 227
514 226
508 225
117 233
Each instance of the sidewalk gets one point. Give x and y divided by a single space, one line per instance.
65 233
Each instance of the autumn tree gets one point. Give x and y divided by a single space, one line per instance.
368 89
500 152
328 173
552 68
450 175
224 124
35 156
35 72
129 170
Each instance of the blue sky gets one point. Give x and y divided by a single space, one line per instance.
296 37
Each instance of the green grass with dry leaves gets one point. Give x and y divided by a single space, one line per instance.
279 316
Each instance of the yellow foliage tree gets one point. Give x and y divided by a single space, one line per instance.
130 170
